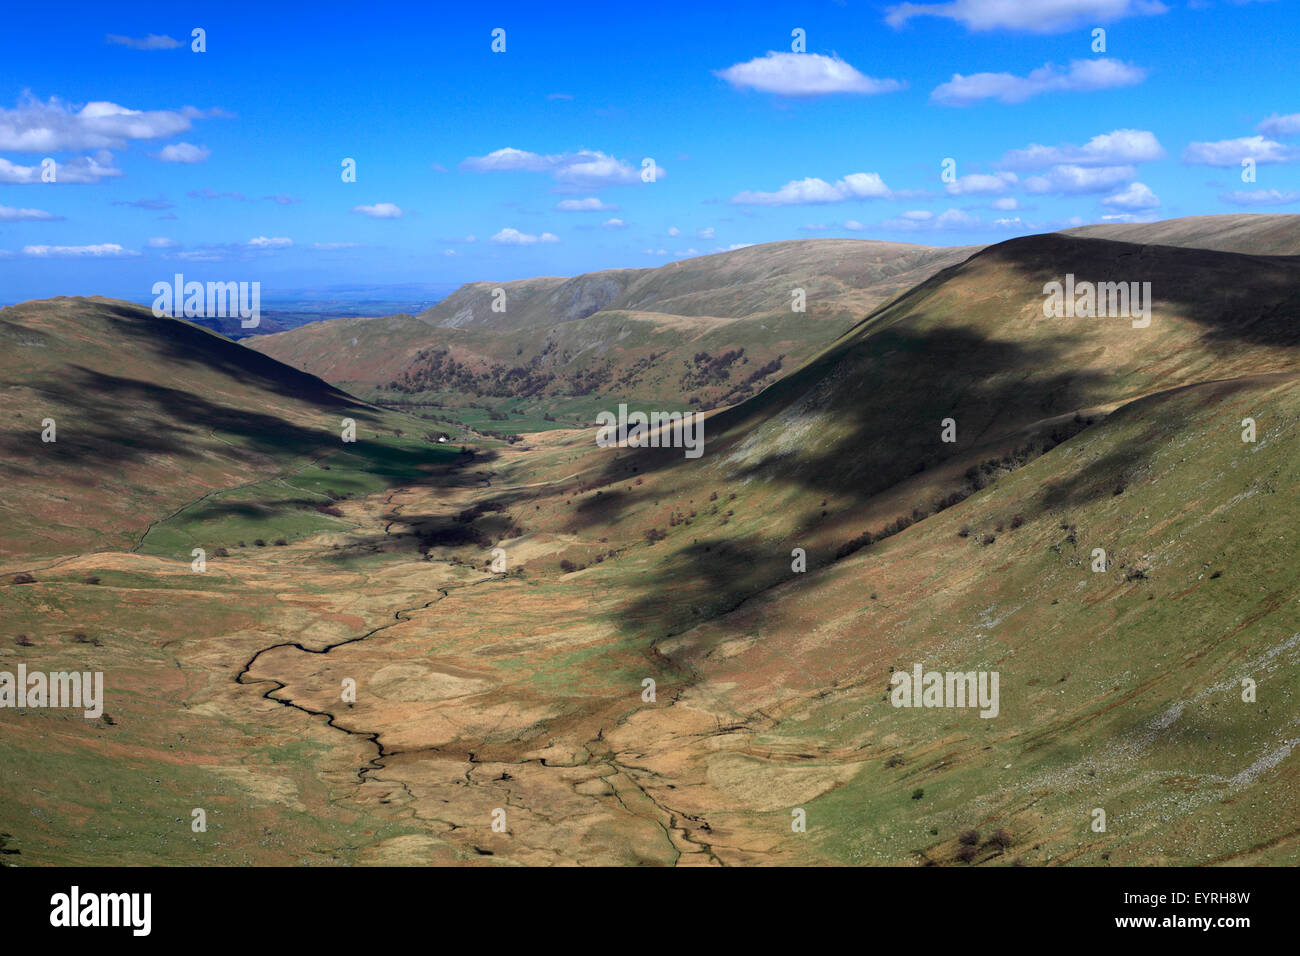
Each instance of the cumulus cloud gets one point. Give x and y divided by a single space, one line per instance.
184 153
1261 197
10 214
153 41
1072 180
1030 16
674 231
1275 125
1117 147
1080 77
513 237
1230 152
614 224
1004 204
803 74
52 126
381 210
590 204
262 242
107 250
583 169
981 184
813 191
83 169
1135 196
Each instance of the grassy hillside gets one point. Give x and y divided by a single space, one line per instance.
524 689
701 332
160 424
1263 234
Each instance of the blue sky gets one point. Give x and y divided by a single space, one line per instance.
226 164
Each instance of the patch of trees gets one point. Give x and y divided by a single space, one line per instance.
712 369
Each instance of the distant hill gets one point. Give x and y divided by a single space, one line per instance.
700 332
1264 234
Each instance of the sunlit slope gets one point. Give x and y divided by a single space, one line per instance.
149 414
1120 689
747 281
1264 234
623 334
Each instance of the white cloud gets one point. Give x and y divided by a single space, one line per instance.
1275 125
656 252
1230 152
1072 180
1107 149
152 42
614 224
1128 217
853 225
162 243
1082 76
262 242
83 169
37 127
674 231
923 219
382 210
1135 196
206 254
803 74
583 169
590 204
108 250
981 184
1031 16
705 233
1261 197
184 153
1005 203
513 237
10 214
812 191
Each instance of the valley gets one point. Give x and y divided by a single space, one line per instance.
536 650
